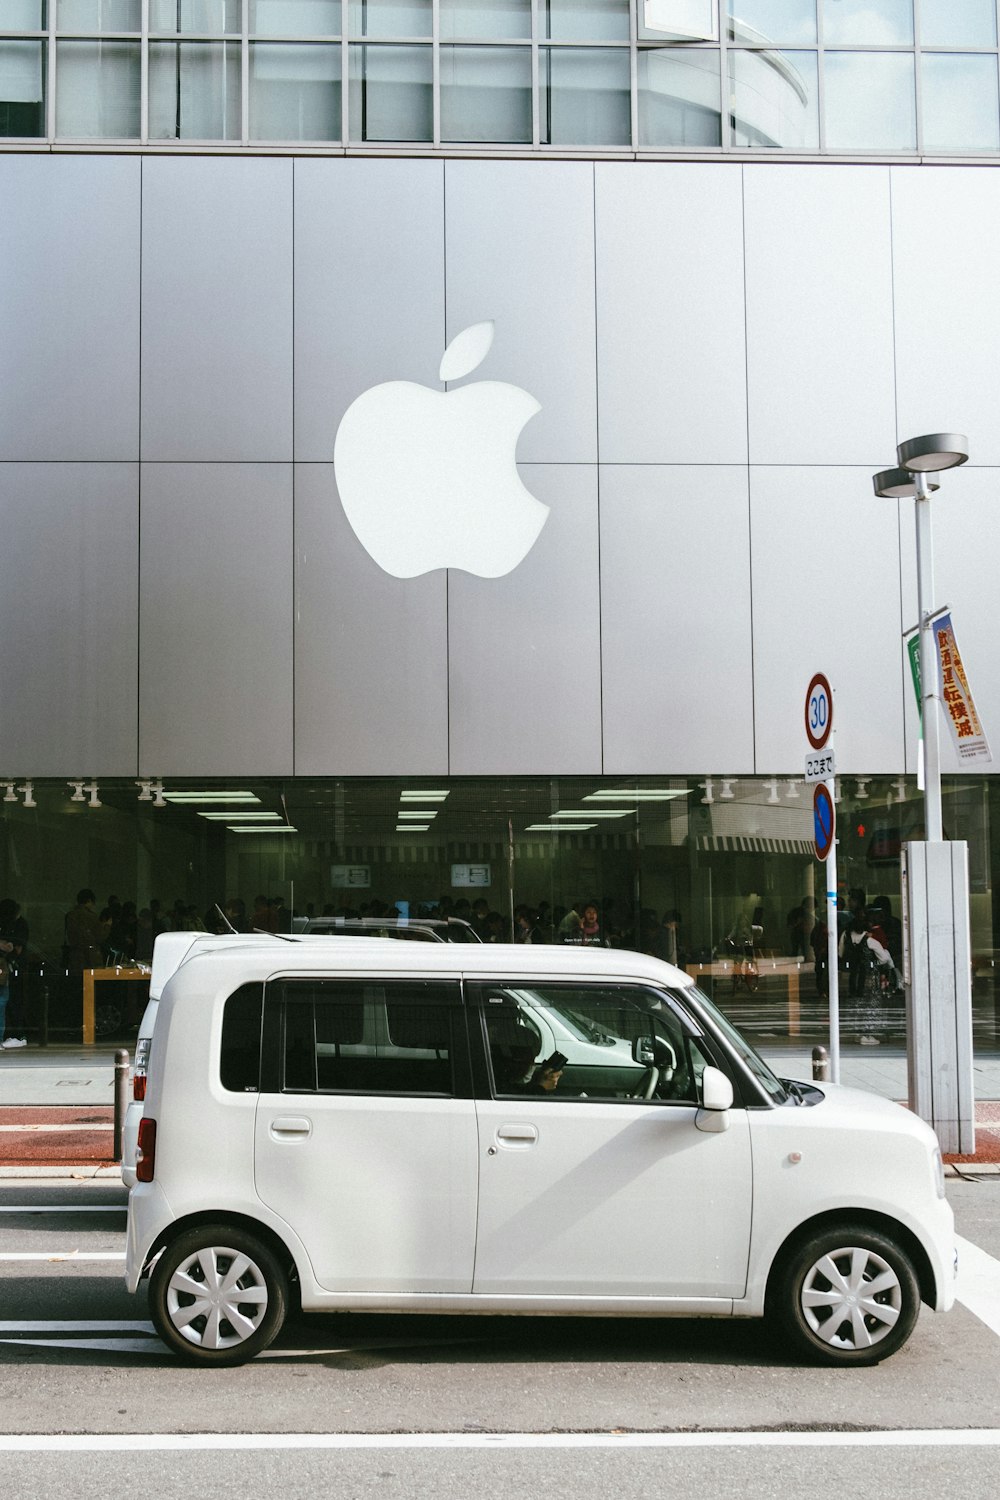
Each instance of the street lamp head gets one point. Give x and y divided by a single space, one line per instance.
933 452
899 484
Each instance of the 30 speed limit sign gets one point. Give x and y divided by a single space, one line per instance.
819 711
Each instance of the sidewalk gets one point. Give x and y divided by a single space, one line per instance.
53 1083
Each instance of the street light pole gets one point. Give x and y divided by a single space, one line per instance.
935 874
929 686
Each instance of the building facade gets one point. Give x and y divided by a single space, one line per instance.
731 272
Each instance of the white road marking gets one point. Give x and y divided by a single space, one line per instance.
988 1437
62 1255
83 1325
978 1285
79 1127
66 1208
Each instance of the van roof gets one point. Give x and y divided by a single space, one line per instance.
263 954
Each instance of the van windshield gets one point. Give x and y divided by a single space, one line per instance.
751 1059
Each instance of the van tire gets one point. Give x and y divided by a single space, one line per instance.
243 1312
822 1298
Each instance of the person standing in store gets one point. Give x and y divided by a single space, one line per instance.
84 933
13 941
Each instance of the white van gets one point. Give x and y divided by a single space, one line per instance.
368 1125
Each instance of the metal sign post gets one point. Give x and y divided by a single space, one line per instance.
819 726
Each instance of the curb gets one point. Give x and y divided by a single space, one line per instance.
972 1169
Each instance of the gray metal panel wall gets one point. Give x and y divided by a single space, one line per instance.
216 310
525 650
371 652
215 690
675 611
68 590
69 307
369 286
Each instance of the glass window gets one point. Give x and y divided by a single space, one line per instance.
212 17
679 97
397 18
22 88
352 1037
587 20
958 23
782 21
23 15
960 104
295 17
865 23
493 20
294 92
486 94
614 1042
391 94
99 15
194 91
870 101
97 97
239 1056
774 99
585 97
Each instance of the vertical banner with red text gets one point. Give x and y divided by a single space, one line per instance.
960 709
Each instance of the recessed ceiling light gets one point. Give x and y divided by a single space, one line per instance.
210 797
262 828
559 827
412 827
653 794
258 817
422 796
425 812
596 812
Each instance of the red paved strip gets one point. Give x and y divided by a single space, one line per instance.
77 1145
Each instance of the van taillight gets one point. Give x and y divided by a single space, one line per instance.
145 1156
139 1086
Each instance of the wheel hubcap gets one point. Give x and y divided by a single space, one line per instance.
851 1298
216 1298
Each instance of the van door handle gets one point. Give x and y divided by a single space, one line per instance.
290 1128
518 1137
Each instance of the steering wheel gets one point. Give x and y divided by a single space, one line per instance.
646 1087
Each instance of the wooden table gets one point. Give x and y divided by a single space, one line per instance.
90 978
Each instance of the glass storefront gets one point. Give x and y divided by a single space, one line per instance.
716 873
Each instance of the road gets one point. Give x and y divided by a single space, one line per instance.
78 1357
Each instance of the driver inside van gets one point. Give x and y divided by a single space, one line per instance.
514 1069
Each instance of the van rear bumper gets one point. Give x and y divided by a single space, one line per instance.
148 1215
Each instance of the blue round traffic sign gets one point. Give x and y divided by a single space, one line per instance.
824 820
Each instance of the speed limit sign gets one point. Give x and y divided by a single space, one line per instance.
819 711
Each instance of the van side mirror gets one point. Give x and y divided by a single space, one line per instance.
716 1101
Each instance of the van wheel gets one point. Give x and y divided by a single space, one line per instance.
846 1296
217 1295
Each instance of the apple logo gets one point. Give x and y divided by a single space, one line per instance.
428 478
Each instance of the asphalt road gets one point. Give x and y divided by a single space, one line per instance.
78 1357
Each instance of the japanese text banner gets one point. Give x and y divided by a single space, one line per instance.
967 732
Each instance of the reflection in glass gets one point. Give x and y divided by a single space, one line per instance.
391 94
782 21
213 17
498 20
99 15
679 97
774 99
23 15
98 90
22 88
194 91
390 18
295 18
958 23
585 20
961 109
486 94
585 97
868 23
870 101
294 92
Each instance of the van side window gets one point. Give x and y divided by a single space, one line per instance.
344 1036
239 1058
587 1041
